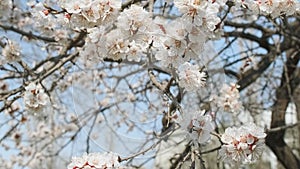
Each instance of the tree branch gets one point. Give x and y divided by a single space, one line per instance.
30 35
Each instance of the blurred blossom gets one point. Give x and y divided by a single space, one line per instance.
198 126
5 8
274 8
229 98
11 52
35 98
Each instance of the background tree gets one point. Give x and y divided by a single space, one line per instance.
141 76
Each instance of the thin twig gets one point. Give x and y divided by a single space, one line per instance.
280 128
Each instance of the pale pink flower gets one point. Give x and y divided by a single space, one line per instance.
244 144
190 76
198 126
229 98
95 160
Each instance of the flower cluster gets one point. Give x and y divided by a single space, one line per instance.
244 144
190 76
183 39
173 47
173 43
95 160
34 97
200 13
229 98
199 126
128 41
274 8
92 11
134 20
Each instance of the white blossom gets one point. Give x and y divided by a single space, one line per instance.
193 11
200 13
198 126
95 160
136 51
229 98
243 144
11 52
274 8
94 11
190 76
34 97
75 7
197 39
133 20
173 47
96 34
116 46
211 18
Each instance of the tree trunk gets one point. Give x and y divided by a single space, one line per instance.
284 95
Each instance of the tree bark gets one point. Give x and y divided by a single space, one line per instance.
284 93
297 104
276 140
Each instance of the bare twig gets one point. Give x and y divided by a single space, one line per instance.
281 128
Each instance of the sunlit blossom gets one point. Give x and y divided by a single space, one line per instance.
243 144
